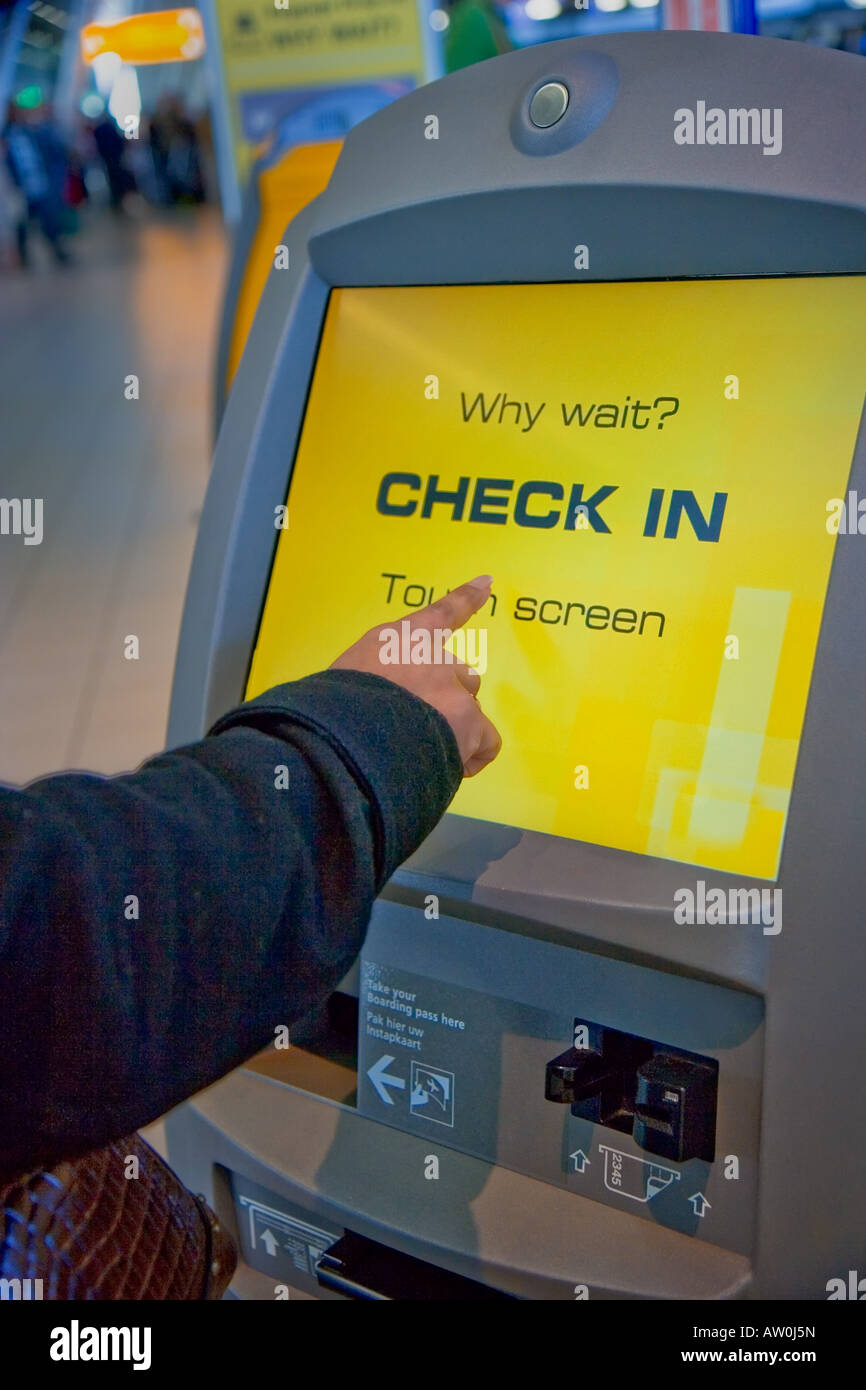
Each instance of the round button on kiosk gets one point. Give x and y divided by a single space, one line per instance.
549 104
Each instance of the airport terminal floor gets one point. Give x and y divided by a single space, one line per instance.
122 481
432 668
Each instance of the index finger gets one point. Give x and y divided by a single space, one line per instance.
456 607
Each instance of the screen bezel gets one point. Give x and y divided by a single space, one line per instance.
505 826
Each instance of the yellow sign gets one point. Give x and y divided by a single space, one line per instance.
271 48
645 470
166 36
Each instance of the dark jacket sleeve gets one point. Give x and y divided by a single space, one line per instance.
156 928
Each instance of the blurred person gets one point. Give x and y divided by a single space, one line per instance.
184 161
475 31
159 134
175 152
139 162
206 157
75 188
11 211
111 147
37 163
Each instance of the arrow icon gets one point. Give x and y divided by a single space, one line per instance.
580 1160
269 1241
381 1078
700 1205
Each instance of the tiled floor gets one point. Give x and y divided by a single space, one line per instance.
122 482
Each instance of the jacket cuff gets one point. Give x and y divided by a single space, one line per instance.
400 749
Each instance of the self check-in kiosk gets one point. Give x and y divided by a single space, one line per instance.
590 317
280 185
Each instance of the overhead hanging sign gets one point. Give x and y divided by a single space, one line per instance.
166 36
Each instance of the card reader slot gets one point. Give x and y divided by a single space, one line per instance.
360 1268
664 1096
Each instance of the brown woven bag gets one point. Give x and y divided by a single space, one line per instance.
86 1230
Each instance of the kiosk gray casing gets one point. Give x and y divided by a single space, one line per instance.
494 201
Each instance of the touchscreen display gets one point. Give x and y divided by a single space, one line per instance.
653 472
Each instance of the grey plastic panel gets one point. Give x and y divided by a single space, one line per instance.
242 244
515 1233
236 536
782 237
645 206
472 206
485 1011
